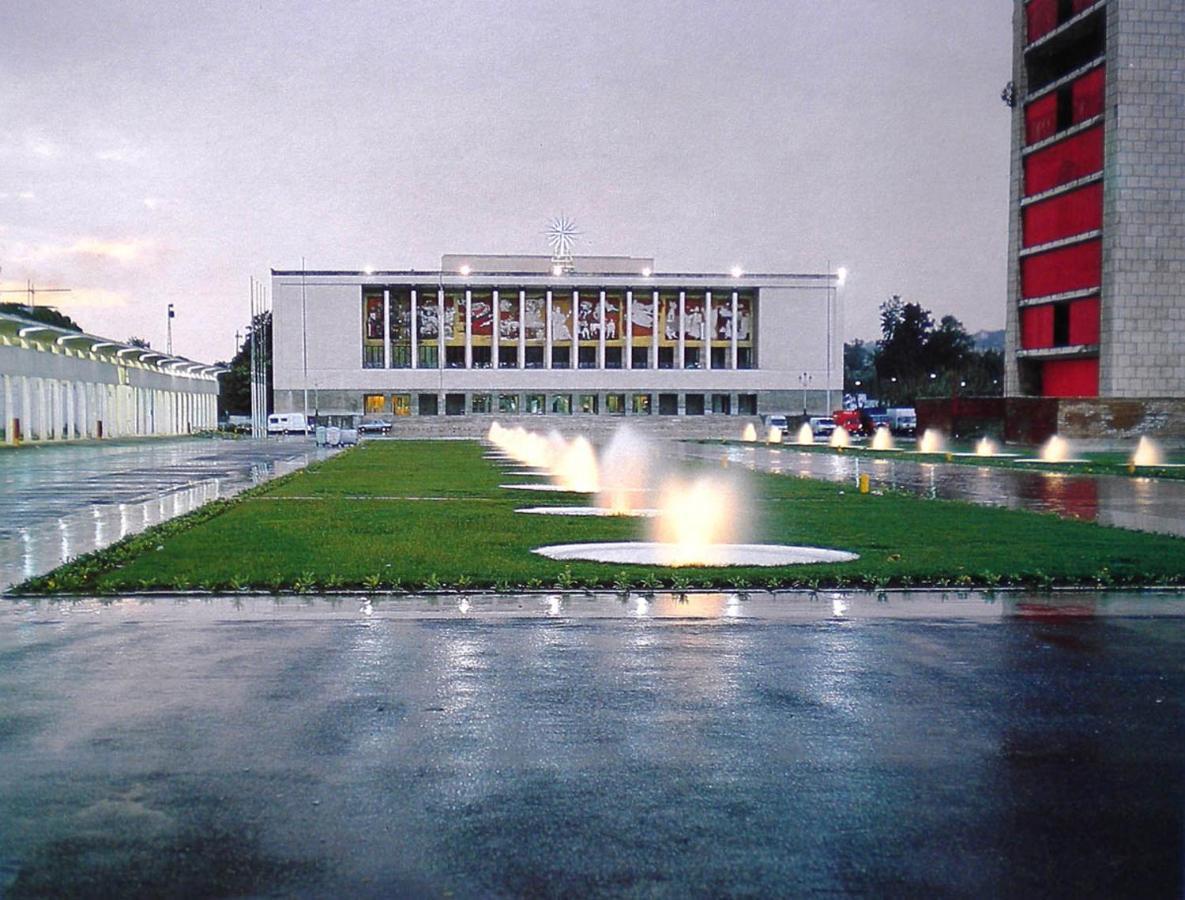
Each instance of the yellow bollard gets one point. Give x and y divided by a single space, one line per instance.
864 484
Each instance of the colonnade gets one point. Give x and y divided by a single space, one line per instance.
54 409
674 328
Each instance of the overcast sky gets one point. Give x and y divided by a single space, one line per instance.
156 151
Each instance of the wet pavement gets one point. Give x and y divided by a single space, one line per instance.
901 744
57 502
1142 504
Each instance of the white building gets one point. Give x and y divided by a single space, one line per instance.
59 384
507 335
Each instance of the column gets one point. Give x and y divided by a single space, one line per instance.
522 332
601 332
574 353
71 400
84 410
9 413
547 338
654 339
733 337
707 332
628 318
415 330
26 409
495 337
440 331
468 328
682 339
54 431
43 427
386 328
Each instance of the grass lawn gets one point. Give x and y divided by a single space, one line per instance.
415 515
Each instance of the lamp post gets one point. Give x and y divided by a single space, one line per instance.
804 379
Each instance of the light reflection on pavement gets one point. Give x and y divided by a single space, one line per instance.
57 502
1141 504
943 743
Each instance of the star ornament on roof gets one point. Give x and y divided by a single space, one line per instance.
561 235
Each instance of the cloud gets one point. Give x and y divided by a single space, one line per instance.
41 147
125 251
120 154
90 298
76 298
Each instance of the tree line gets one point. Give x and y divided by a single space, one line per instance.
916 358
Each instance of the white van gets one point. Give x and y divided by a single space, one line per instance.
287 423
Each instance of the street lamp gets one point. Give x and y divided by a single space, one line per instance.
804 379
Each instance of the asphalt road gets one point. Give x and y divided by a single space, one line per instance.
542 746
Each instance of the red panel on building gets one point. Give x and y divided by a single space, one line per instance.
1087 95
1065 161
1079 5
1070 378
1084 321
1064 216
1064 269
1041 119
1042 15
1036 327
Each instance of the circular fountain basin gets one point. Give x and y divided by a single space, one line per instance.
986 455
649 553
588 511
554 488
1157 465
1055 462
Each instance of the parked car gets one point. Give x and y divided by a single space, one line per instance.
287 423
776 422
822 426
374 425
903 420
872 419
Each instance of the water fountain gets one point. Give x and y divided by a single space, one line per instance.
882 439
699 521
1055 451
932 441
986 448
840 439
774 436
621 479
749 434
806 437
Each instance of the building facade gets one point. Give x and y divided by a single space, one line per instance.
509 335
1096 304
57 384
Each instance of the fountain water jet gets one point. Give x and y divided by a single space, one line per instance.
1147 453
1056 449
806 437
575 466
628 469
986 447
882 439
840 438
774 436
932 441
749 434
